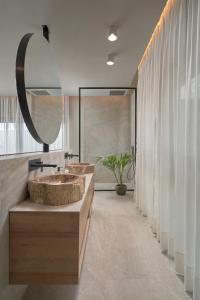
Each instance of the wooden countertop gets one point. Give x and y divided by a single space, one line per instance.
28 206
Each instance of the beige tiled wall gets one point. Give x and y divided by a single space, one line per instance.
13 189
105 129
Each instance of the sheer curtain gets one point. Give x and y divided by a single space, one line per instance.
14 135
168 151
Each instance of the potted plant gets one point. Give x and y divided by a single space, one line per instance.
117 163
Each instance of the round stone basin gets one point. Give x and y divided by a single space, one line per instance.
81 168
58 189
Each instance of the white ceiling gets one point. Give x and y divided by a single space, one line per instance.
78 37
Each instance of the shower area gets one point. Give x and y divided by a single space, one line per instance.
102 121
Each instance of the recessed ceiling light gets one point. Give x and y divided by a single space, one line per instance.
110 61
112 35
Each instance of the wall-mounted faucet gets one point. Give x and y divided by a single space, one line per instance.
70 155
35 164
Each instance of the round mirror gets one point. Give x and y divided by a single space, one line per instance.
38 88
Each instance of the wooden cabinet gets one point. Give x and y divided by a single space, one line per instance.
47 244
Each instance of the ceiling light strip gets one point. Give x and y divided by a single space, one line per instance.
165 13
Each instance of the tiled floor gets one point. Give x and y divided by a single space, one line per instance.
122 260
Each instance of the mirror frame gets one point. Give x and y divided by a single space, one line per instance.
21 88
20 84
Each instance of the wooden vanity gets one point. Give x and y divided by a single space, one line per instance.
47 243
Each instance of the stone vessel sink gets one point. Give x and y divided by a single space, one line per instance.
58 189
81 168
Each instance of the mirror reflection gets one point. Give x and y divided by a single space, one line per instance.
43 91
14 134
43 98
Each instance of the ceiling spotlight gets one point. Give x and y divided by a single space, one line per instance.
112 35
110 61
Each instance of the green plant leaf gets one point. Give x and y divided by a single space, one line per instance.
116 163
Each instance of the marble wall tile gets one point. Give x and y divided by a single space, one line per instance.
13 189
105 129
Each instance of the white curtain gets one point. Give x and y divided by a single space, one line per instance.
14 135
168 150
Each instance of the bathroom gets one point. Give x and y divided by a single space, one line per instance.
99 150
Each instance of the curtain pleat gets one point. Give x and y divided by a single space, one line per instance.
168 159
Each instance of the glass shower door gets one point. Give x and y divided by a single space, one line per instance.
106 128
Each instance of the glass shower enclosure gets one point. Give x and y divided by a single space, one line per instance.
107 125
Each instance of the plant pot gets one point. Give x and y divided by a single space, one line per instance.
121 189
